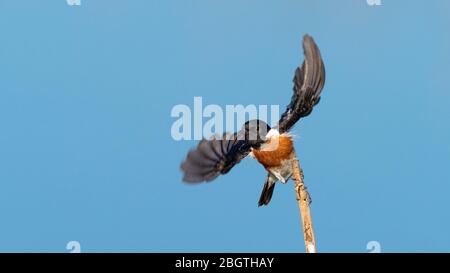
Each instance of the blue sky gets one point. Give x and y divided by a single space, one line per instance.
86 152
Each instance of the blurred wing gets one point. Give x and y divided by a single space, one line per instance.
214 157
308 83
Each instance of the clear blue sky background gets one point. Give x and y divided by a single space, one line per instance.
86 152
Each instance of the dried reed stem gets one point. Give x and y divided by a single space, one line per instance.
303 203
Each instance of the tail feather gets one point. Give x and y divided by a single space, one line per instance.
267 191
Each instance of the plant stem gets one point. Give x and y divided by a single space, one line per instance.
303 203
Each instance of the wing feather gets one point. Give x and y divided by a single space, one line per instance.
214 157
308 81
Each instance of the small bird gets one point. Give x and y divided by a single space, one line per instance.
272 147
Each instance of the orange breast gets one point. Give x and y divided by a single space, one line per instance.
273 152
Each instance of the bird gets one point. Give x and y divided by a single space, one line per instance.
272 147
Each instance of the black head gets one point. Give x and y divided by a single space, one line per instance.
255 131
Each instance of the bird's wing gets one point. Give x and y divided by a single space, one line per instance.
214 157
308 83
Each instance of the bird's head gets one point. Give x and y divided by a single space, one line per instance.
255 131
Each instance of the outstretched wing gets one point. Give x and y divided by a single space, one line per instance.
214 157
308 83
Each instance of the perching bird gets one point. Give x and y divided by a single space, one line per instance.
272 147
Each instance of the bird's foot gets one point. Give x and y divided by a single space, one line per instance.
308 196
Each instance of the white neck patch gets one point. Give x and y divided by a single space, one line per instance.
273 132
